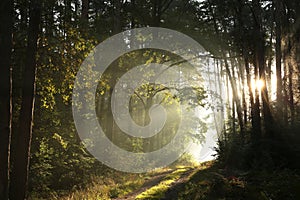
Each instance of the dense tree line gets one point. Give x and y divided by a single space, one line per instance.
43 44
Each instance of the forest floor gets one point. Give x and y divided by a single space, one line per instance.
208 182
205 181
162 185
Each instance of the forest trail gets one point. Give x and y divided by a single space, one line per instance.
163 185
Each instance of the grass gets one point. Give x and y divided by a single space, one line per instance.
113 185
206 182
117 184
158 191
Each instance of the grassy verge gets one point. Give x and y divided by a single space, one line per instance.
109 187
115 184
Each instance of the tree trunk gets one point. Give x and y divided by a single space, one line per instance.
291 93
254 119
256 110
279 94
268 118
260 53
20 159
6 25
68 12
241 74
234 94
232 81
285 92
156 13
85 11
23 15
221 78
269 65
117 28
133 6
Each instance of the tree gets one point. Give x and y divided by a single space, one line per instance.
277 5
85 10
260 54
6 25
21 156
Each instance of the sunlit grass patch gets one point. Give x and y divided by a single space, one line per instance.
158 191
104 188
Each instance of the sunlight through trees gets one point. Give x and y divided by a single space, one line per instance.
249 102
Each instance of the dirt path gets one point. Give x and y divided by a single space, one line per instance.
156 179
175 188
150 182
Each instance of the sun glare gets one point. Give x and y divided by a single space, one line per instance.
257 84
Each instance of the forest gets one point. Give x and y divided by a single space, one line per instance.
242 84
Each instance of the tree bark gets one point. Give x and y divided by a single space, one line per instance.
6 25
156 13
259 60
117 28
235 96
285 92
251 97
241 75
291 93
256 110
85 11
231 79
260 52
20 159
279 94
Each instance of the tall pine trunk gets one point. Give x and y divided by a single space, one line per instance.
117 26
20 159
279 94
260 52
85 11
6 25
254 120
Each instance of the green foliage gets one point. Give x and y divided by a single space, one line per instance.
213 183
58 160
269 154
232 153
